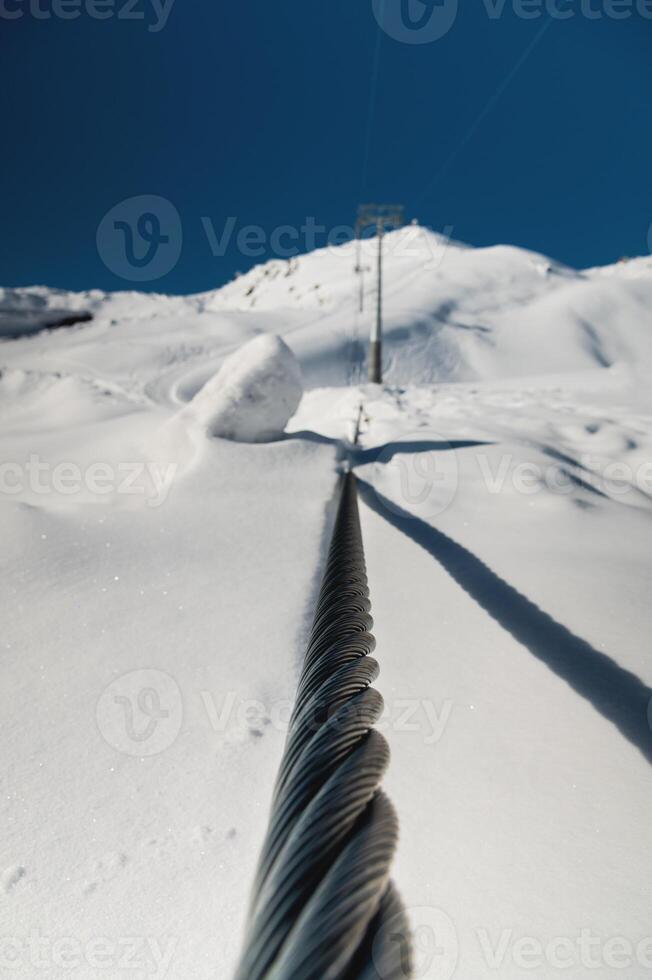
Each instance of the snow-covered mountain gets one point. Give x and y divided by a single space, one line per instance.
159 588
451 312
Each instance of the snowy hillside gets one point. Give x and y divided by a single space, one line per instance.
452 313
161 583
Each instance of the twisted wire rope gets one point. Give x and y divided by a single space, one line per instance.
323 906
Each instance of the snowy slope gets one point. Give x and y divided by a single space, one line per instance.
452 313
506 507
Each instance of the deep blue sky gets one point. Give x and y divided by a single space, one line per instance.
260 109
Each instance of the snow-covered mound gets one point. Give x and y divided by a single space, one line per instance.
253 395
452 313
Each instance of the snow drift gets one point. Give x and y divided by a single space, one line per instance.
253 395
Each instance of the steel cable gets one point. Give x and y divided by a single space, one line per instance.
323 907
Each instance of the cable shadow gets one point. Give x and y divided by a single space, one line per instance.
619 695
386 452
307 435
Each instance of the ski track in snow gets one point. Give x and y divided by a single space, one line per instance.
506 507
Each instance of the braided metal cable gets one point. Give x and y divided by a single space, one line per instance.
323 907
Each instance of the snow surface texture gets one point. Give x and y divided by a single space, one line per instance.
253 395
157 608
